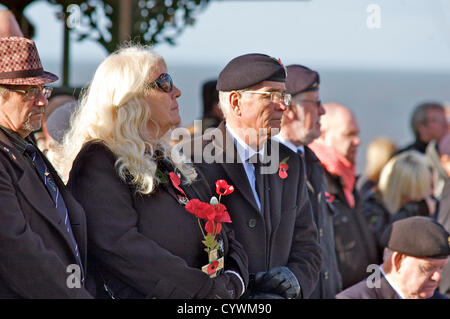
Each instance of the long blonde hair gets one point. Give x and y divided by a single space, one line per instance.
405 177
114 111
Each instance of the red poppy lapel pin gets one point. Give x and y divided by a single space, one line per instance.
283 167
176 181
330 198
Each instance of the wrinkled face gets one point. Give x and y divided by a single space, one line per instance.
420 276
344 136
260 110
436 125
20 114
164 105
303 123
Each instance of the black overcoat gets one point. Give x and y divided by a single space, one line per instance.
283 235
144 246
35 248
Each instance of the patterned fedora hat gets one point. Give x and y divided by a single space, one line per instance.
20 63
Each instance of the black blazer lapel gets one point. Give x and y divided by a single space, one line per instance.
75 212
39 198
276 185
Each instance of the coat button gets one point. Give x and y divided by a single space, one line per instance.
325 275
252 223
321 232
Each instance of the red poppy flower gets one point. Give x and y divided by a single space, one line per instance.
329 197
175 179
282 170
222 187
221 214
212 227
198 208
212 268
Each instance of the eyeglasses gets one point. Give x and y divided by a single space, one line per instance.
276 97
33 92
164 82
318 103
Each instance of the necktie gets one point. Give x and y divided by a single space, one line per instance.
259 178
60 205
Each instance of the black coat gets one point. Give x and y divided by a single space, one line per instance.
330 280
145 245
285 234
377 216
35 247
381 289
356 245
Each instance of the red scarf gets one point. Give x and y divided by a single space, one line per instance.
337 164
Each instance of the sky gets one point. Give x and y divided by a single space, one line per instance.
364 36
351 34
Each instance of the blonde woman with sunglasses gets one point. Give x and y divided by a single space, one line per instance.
143 243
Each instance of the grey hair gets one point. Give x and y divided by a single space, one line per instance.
419 116
223 102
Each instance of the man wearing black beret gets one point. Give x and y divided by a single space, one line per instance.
299 127
271 213
417 249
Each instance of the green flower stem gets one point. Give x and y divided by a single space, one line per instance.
201 229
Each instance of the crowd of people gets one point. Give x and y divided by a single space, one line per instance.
264 204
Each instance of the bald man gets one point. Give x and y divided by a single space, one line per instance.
336 149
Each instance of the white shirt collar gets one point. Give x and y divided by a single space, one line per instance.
393 285
289 144
242 148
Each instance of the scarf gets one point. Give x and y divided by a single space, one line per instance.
337 164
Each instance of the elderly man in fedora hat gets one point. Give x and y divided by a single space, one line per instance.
42 228
271 212
416 251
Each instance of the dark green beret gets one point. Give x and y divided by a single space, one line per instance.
248 70
301 79
418 236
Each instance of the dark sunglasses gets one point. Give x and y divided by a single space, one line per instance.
164 82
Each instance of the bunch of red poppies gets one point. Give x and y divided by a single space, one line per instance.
213 212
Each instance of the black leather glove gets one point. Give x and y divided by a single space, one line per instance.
227 286
278 280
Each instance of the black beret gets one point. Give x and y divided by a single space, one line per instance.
301 79
417 236
58 123
248 70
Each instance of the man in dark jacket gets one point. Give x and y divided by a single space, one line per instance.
428 122
42 227
336 149
271 213
409 270
299 127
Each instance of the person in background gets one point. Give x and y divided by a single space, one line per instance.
42 137
299 127
378 153
404 190
409 270
142 240
428 122
336 149
212 114
271 212
42 227
57 125
438 156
